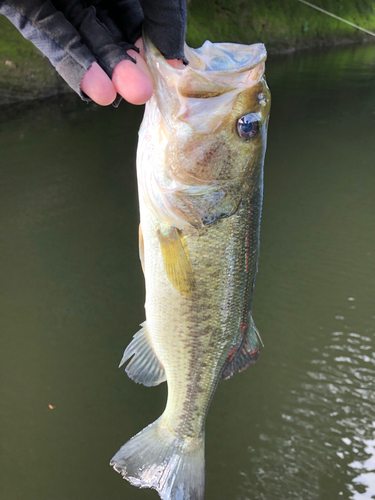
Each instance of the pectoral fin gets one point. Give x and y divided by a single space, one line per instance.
246 353
176 261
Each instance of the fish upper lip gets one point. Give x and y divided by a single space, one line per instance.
151 48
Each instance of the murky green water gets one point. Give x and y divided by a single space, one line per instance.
299 424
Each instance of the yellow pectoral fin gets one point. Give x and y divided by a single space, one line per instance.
176 261
141 248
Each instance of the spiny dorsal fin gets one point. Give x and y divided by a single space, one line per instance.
144 368
246 353
176 261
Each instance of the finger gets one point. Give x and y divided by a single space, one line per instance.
126 14
98 86
176 63
165 24
104 40
133 81
139 45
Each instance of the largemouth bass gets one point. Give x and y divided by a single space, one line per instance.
200 174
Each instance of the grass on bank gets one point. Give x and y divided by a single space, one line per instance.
24 72
280 24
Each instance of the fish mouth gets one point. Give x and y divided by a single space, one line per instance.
214 69
208 86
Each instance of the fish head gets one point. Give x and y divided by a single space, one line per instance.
212 119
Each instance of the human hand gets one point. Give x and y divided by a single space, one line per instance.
131 81
95 45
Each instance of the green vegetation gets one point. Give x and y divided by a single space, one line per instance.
24 72
281 24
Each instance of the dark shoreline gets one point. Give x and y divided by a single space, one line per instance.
18 86
319 44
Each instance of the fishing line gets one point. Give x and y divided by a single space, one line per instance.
337 17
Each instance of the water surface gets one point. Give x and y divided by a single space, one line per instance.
300 423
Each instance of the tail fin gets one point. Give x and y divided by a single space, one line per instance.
156 459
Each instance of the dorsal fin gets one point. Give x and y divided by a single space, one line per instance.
245 353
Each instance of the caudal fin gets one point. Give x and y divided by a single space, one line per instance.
156 459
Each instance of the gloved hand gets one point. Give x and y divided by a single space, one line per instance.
95 45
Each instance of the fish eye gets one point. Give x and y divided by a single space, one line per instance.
248 126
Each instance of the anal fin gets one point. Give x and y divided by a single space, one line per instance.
246 353
144 367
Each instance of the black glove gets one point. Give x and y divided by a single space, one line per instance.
73 34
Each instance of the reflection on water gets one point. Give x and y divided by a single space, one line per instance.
300 423
328 422
366 471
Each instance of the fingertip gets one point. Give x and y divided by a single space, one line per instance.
176 63
133 81
98 86
139 45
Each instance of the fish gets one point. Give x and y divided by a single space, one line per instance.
200 157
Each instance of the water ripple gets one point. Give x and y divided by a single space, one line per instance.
327 430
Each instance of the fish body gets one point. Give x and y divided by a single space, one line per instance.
200 174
